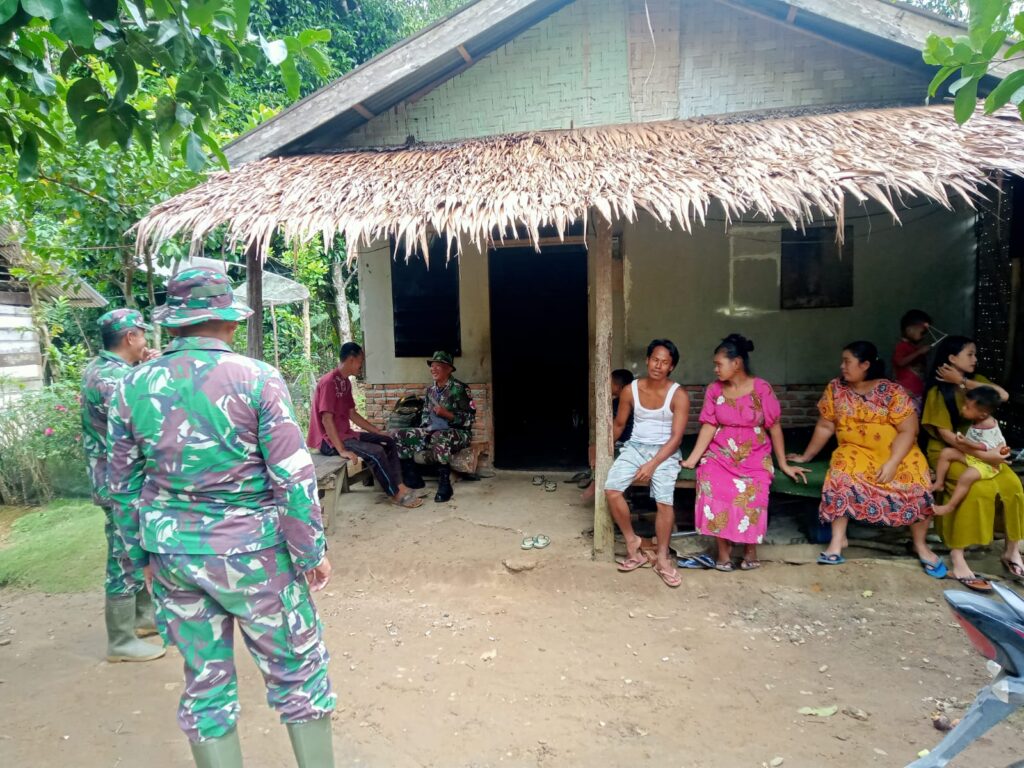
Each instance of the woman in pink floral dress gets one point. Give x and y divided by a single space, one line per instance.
739 428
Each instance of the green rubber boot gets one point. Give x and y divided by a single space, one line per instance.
122 644
311 743
224 752
145 614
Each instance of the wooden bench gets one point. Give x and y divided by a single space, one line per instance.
334 475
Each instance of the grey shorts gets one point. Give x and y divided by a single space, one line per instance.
633 455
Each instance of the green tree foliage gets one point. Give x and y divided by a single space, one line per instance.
967 59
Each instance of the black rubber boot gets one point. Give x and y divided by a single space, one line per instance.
444 484
411 475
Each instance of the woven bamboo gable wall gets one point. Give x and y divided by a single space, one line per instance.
598 62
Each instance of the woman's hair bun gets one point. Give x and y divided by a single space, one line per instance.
741 342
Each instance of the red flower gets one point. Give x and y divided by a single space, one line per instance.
48 431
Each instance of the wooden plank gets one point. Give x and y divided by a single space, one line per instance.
254 283
16 321
891 21
23 372
10 360
14 303
601 371
363 111
17 334
9 347
415 54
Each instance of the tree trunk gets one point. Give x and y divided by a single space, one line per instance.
129 279
340 282
254 281
43 332
151 292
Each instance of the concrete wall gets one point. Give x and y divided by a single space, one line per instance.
597 62
678 286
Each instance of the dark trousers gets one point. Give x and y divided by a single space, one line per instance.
379 452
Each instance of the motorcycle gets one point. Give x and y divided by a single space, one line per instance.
996 630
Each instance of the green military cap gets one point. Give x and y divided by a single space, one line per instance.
443 357
197 295
121 320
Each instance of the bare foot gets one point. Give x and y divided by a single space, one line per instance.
938 485
588 495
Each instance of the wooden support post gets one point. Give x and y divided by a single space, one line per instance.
273 324
601 371
254 297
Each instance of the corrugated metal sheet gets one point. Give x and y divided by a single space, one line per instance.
77 292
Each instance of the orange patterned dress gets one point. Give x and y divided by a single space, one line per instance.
865 428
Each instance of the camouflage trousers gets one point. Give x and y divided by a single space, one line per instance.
199 598
120 578
439 446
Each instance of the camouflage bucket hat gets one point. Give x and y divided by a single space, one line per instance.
197 295
443 357
122 320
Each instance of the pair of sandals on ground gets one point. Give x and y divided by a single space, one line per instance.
705 562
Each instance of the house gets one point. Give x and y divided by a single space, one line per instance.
21 362
542 187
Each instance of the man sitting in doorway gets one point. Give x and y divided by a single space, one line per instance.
330 428
621 378
445 428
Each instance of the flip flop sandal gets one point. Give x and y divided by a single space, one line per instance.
826 559
671 578
540 541
538 480
976 584
935 570
409 501
527 543
1012 568
726 567
697 562
550 486
577 477
749 565
633 563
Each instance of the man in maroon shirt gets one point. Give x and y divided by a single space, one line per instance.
332 415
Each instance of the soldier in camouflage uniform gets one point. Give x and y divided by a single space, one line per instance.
215 492
445 428
129 609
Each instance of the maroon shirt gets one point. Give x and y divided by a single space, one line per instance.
333 396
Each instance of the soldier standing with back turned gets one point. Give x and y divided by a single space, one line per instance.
215 493
129 607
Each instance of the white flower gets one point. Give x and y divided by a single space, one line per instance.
757 430
743 525
760 539
741 485
732 445
708 513
720 400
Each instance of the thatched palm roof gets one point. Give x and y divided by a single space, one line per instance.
793 167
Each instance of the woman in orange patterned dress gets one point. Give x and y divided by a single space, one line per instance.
877 474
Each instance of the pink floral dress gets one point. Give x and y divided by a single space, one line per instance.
735 473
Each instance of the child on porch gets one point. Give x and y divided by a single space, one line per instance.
910 357
983 435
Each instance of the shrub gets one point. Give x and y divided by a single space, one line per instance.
41 445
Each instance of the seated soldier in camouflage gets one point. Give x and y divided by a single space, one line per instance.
445 428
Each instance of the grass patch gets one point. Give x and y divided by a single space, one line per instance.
56 548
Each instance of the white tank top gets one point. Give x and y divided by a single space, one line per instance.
652 427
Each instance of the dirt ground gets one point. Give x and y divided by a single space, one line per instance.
452 647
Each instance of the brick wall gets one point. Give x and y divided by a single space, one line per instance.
381 399
799 403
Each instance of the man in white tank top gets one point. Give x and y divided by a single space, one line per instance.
659 409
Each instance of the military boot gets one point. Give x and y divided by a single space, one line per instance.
122 644
312 743
411 475
444 484
145 614
224 752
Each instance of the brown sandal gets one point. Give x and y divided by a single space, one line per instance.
409 501
640 560
976 584
1012 568
670 577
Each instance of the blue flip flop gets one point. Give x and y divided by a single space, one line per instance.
935 570
826 559
697 562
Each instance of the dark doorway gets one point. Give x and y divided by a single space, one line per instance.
540 357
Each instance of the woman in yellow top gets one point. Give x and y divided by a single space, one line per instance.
877 474
973 522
